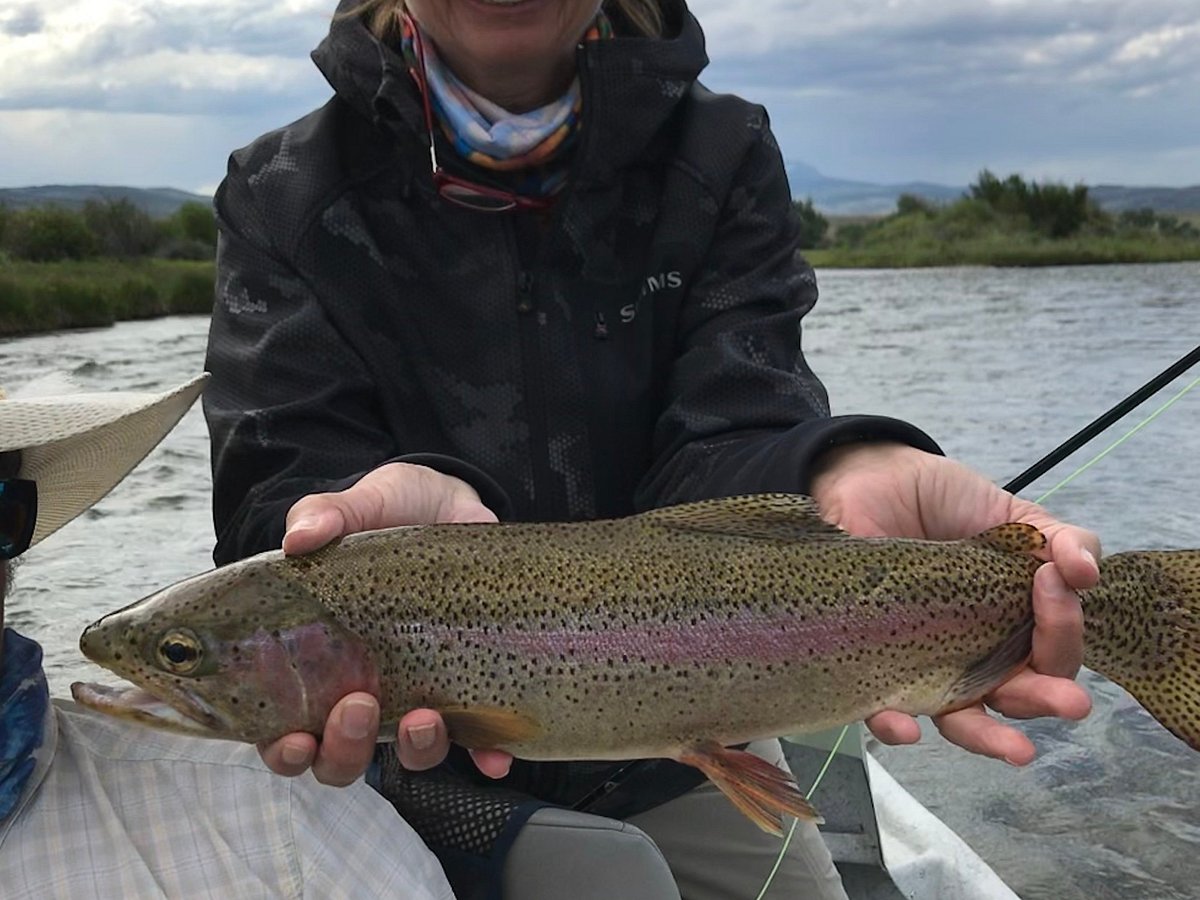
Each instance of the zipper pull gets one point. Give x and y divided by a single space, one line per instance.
524 293
601 331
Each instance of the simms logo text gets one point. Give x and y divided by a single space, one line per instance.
652 285
662 280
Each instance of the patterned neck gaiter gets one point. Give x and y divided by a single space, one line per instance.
24 703
491 137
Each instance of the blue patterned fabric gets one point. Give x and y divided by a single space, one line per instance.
24 702
484 131
533 144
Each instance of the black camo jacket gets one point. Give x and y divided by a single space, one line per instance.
638 346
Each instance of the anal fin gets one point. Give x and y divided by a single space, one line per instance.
763 792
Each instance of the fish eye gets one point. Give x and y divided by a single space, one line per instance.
180 651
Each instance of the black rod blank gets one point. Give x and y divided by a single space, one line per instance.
1081 437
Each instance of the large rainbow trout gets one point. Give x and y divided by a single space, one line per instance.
674 633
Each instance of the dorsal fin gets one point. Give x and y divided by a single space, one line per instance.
1012 537
768 516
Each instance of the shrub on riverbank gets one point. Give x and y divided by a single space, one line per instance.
48 234
36 297
1008 223
114 229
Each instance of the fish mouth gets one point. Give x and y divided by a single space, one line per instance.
187 715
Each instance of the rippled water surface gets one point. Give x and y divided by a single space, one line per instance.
999 365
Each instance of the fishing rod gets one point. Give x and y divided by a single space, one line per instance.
1088 432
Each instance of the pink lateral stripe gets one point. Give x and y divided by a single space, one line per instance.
774 637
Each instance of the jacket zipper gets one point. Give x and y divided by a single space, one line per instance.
524 292
529 328
546 490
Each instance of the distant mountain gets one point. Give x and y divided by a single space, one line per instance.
158 203
837 196
1161 199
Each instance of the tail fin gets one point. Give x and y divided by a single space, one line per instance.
1143 632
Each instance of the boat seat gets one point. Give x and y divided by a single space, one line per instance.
495 843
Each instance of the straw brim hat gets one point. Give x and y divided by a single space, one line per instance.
77 447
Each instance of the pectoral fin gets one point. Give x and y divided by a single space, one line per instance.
765 793
488 727
991 671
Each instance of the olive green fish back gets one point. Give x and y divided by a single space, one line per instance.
1143 632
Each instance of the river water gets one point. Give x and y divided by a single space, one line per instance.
999 365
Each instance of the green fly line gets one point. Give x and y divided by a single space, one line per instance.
845 728
1119 441
812 790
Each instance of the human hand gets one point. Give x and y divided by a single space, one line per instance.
394 494
894 490
345 749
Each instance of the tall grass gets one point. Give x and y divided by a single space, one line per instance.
37 297
912 241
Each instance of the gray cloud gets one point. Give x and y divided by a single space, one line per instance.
937 90
265 32
233 56
20 21
933 89
948 47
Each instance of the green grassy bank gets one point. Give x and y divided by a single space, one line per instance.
37 297
926 249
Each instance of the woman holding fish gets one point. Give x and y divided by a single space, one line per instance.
524 265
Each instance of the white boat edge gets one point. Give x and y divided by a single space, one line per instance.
923 855
876 825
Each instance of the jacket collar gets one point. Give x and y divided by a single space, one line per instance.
367 74
631 85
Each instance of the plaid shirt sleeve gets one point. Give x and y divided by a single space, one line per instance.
125 811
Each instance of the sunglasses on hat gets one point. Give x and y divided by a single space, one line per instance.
18 516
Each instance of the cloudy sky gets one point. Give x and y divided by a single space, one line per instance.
157 92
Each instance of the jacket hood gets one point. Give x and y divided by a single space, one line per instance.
631 85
